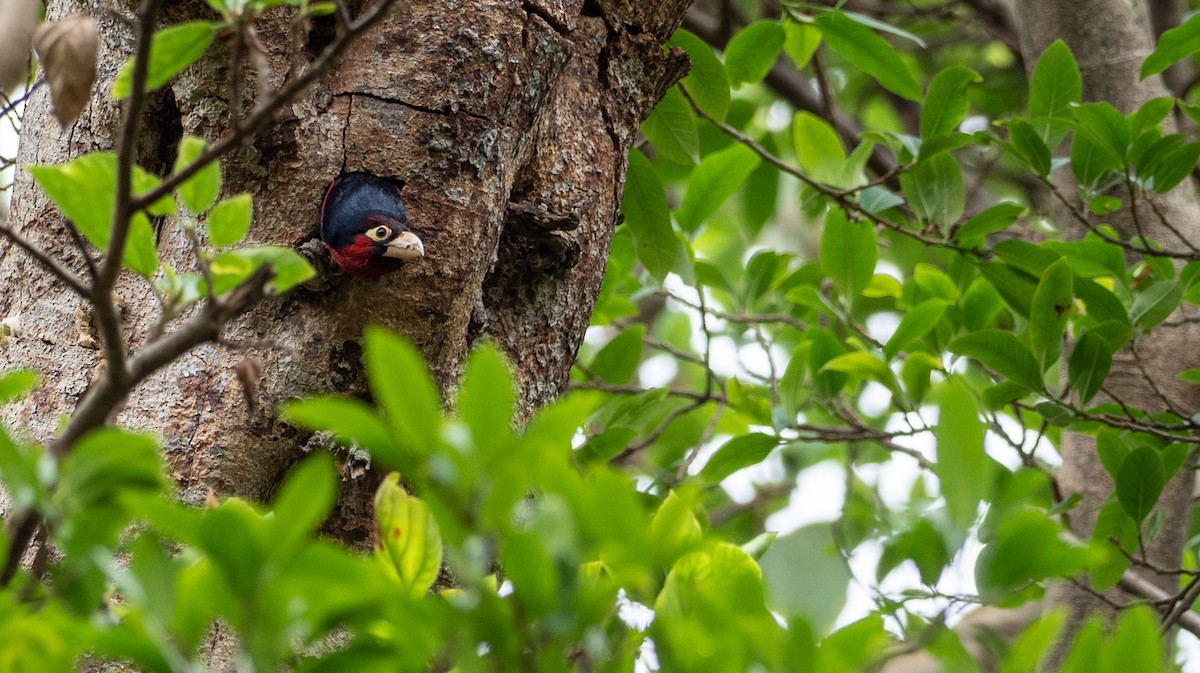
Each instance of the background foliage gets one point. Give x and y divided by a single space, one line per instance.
789 310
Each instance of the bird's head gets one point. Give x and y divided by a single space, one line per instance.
364 226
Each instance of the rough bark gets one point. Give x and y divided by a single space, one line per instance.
1110 47
471 106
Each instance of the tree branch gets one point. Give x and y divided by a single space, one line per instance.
52 265
264 112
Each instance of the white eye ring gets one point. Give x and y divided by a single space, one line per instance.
379 233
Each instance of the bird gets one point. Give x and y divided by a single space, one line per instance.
364 226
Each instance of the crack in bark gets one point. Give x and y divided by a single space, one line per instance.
533 9
447 111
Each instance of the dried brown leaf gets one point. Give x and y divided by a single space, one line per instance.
67 49
18 18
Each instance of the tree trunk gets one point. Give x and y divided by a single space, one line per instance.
1110 47
470 106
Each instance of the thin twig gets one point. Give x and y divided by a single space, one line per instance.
264 112
50 263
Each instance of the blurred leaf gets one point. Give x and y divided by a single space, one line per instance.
303 501
674 529
1028 547
16 384
818 593
350 421
962 465
403 389
486 397
172 49
866 366
67 53
620 358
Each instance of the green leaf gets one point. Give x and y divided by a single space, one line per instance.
1091 359
1091 162
934 188
198 192
648 217
620 358
404 389
16 384
1136 645
946 102
1174 166
1139 482
1174 45
671 128
1054 85
1105 126
107 464
915 373
1050 311
718 177
1152 305
988 221
800 42
229 221
739 452
1030 146
141 248
1028 547
752 51
410 543
818 593
303 501
674 529
872 54
962 465
1001 351
848 252
232 267
819 149
866 366
706 81
914 324
350 421
171 50
486 398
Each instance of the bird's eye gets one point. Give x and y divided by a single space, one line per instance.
379 233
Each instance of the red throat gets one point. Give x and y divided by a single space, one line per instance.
359 259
